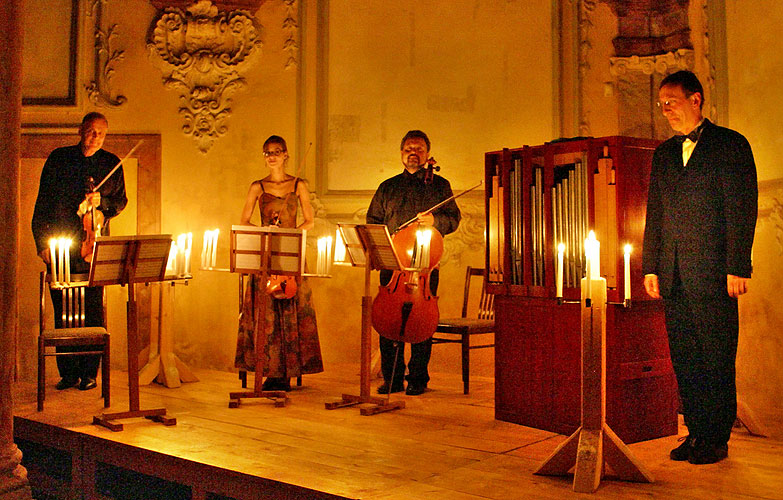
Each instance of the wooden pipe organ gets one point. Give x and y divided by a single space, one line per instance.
536 198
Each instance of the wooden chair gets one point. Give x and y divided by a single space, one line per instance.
483 321
73 333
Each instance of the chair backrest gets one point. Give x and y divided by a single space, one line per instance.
73 304
485 307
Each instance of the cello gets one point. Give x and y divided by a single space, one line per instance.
405 310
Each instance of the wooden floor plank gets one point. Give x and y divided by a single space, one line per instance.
443 445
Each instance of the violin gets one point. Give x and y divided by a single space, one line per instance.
429 173
405 310
92 223
280 286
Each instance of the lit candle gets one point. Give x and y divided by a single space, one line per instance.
328 254
627 271
60 259
181 239
213 256
339 248
595 258
67 260
425 252
204 249
53 258
559 270
188 250
172 258
319 262
588 265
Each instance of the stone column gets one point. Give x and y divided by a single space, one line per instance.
13 477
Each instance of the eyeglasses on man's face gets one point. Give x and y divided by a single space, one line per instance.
276 152
672 102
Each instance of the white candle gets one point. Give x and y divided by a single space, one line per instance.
188 252
204 249
588 265
172 257
559 271
181 239
595 257
67 260
328 254
60 259
213 256
319 265
339 247
627 271
53 258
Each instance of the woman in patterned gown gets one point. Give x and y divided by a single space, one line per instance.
288 330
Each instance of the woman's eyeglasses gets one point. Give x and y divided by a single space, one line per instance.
276 152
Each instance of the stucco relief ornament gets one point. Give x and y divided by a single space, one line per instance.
204 53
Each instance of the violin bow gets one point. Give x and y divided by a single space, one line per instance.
118 165
450 198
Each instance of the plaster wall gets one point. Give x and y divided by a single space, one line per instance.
476 75
754 80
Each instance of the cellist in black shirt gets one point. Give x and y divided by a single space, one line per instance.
411 194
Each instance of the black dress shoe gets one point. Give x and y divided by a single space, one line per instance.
66 383
683 452
87 383
276 384
708 453
415 389
384 388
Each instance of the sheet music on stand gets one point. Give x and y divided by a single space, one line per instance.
127 260
373 240
368 245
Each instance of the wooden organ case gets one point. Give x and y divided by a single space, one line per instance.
537 197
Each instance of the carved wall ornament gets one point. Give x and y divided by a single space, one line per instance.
291 28
203 53
661 64
585 23
107 56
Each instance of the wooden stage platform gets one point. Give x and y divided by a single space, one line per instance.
443 445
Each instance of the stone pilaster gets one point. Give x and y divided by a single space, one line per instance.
13 477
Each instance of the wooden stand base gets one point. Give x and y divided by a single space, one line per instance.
594 443
280 398
380 405
157 415
589 451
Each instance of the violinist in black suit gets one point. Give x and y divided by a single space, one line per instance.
701 216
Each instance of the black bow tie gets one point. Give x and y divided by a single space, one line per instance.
693 135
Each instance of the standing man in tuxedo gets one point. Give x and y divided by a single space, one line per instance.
701 216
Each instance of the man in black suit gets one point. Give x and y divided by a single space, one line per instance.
701 216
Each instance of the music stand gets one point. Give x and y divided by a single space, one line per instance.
368 245
127 260
264 251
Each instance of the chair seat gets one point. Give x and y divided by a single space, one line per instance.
87 331
465 325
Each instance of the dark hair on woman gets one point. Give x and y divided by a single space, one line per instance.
415 134
687 81
275 139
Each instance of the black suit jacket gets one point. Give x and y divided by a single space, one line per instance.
701 217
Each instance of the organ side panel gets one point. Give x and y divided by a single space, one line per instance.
538 197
